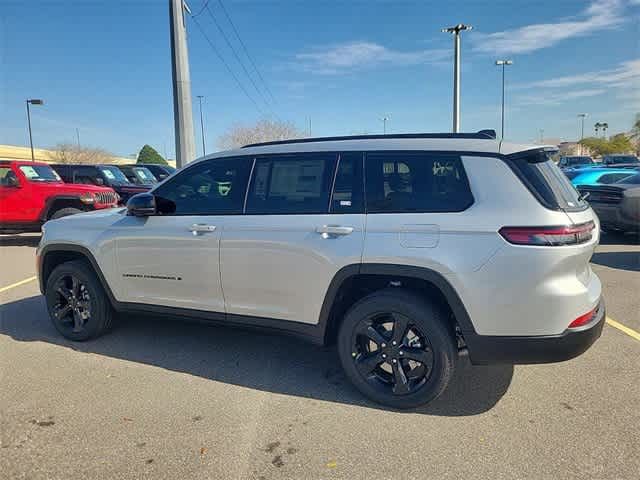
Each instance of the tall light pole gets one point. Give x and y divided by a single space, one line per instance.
200 97
456 72
582 116
78 136
32 101
384 123
182 113
504 63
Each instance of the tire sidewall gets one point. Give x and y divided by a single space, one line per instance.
431 322
95 324
65 212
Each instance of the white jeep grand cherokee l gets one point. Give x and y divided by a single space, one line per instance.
405 250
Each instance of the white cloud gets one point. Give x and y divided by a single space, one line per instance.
357 55
625 75
600 15
556 98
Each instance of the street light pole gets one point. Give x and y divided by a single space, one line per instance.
456 71
504 63
582 116
200 97
32 101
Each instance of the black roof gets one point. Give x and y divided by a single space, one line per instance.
481 135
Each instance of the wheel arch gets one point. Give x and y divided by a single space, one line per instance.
347 279
63 200
55 254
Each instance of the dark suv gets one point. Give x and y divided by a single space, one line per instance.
108 175
159 171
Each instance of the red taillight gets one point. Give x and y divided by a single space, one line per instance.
549 236
583 319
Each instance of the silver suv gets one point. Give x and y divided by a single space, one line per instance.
407 251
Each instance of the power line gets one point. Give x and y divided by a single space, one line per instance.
235 77
235 54
246 51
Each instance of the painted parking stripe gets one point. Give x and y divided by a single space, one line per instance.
17 284
623 328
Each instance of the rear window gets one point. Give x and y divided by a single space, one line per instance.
546 181
620 159
399 182
632 179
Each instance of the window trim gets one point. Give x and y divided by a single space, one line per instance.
440 153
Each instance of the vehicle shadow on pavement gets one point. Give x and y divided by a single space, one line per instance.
19 240
620 260
251 359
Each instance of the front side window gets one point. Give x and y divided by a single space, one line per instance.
291 184
398 182
214 187
39 173
7 177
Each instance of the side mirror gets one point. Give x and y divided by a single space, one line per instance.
142 205
12 181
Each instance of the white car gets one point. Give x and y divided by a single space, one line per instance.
406 250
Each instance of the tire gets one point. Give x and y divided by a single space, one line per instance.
436 348
65 212
95 313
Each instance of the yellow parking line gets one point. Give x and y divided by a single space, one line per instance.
17 284
632 333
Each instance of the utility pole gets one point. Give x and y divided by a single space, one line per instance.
384 119
32 101
182 113
456 71
78 136
582 116
200 97
503 63
541 136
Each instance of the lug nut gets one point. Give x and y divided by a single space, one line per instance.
401 352
394 343
384 355
394 360
353 354
383 345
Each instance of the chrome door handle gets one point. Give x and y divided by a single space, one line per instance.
333 230
197 228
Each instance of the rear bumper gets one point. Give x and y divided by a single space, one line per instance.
490 349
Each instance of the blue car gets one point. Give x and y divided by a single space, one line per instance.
598 176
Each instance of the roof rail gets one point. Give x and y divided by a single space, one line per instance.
481 135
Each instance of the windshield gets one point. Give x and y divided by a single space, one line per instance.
619 159
144 175
114 175
40 173
573 161
631 179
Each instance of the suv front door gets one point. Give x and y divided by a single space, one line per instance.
172 259
278 260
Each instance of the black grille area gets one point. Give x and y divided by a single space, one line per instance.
602 195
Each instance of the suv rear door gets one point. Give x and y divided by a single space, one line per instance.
278 260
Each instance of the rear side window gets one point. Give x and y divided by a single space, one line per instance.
398 182
546 181
348 195
612 178
291 184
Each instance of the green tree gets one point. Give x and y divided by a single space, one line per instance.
148 154
619 143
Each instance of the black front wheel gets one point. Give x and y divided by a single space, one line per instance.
397 348
76 301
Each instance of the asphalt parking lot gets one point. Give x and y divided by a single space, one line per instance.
161 399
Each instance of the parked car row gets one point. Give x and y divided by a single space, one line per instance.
33 192
612 187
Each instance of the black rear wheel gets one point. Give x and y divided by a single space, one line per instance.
397 348
76 301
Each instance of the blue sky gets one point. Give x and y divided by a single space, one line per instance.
104 67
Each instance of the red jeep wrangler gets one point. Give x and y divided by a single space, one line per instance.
32 193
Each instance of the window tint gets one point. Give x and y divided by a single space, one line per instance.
6 174
291 184
546 181
632 179
215 187
348 187
86 175
399 182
